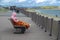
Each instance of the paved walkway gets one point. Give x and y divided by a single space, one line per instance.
34 33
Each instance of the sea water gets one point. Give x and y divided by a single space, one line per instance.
50 12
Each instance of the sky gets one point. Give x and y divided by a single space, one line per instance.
27 3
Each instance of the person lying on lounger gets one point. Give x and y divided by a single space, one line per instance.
19 22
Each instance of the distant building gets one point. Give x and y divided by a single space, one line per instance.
12 7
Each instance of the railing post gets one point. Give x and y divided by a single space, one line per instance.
42 22
39 20
51 27
58 35
33 16
46 23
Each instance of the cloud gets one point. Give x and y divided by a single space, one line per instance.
53 1
29 3
5 1
50 2
21 0
58 1
38 1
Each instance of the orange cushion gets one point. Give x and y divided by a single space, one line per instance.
21 23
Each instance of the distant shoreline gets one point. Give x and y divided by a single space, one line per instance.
51 9
48 9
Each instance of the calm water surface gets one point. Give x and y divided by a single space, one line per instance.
50 12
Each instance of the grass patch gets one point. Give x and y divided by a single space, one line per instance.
3 10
